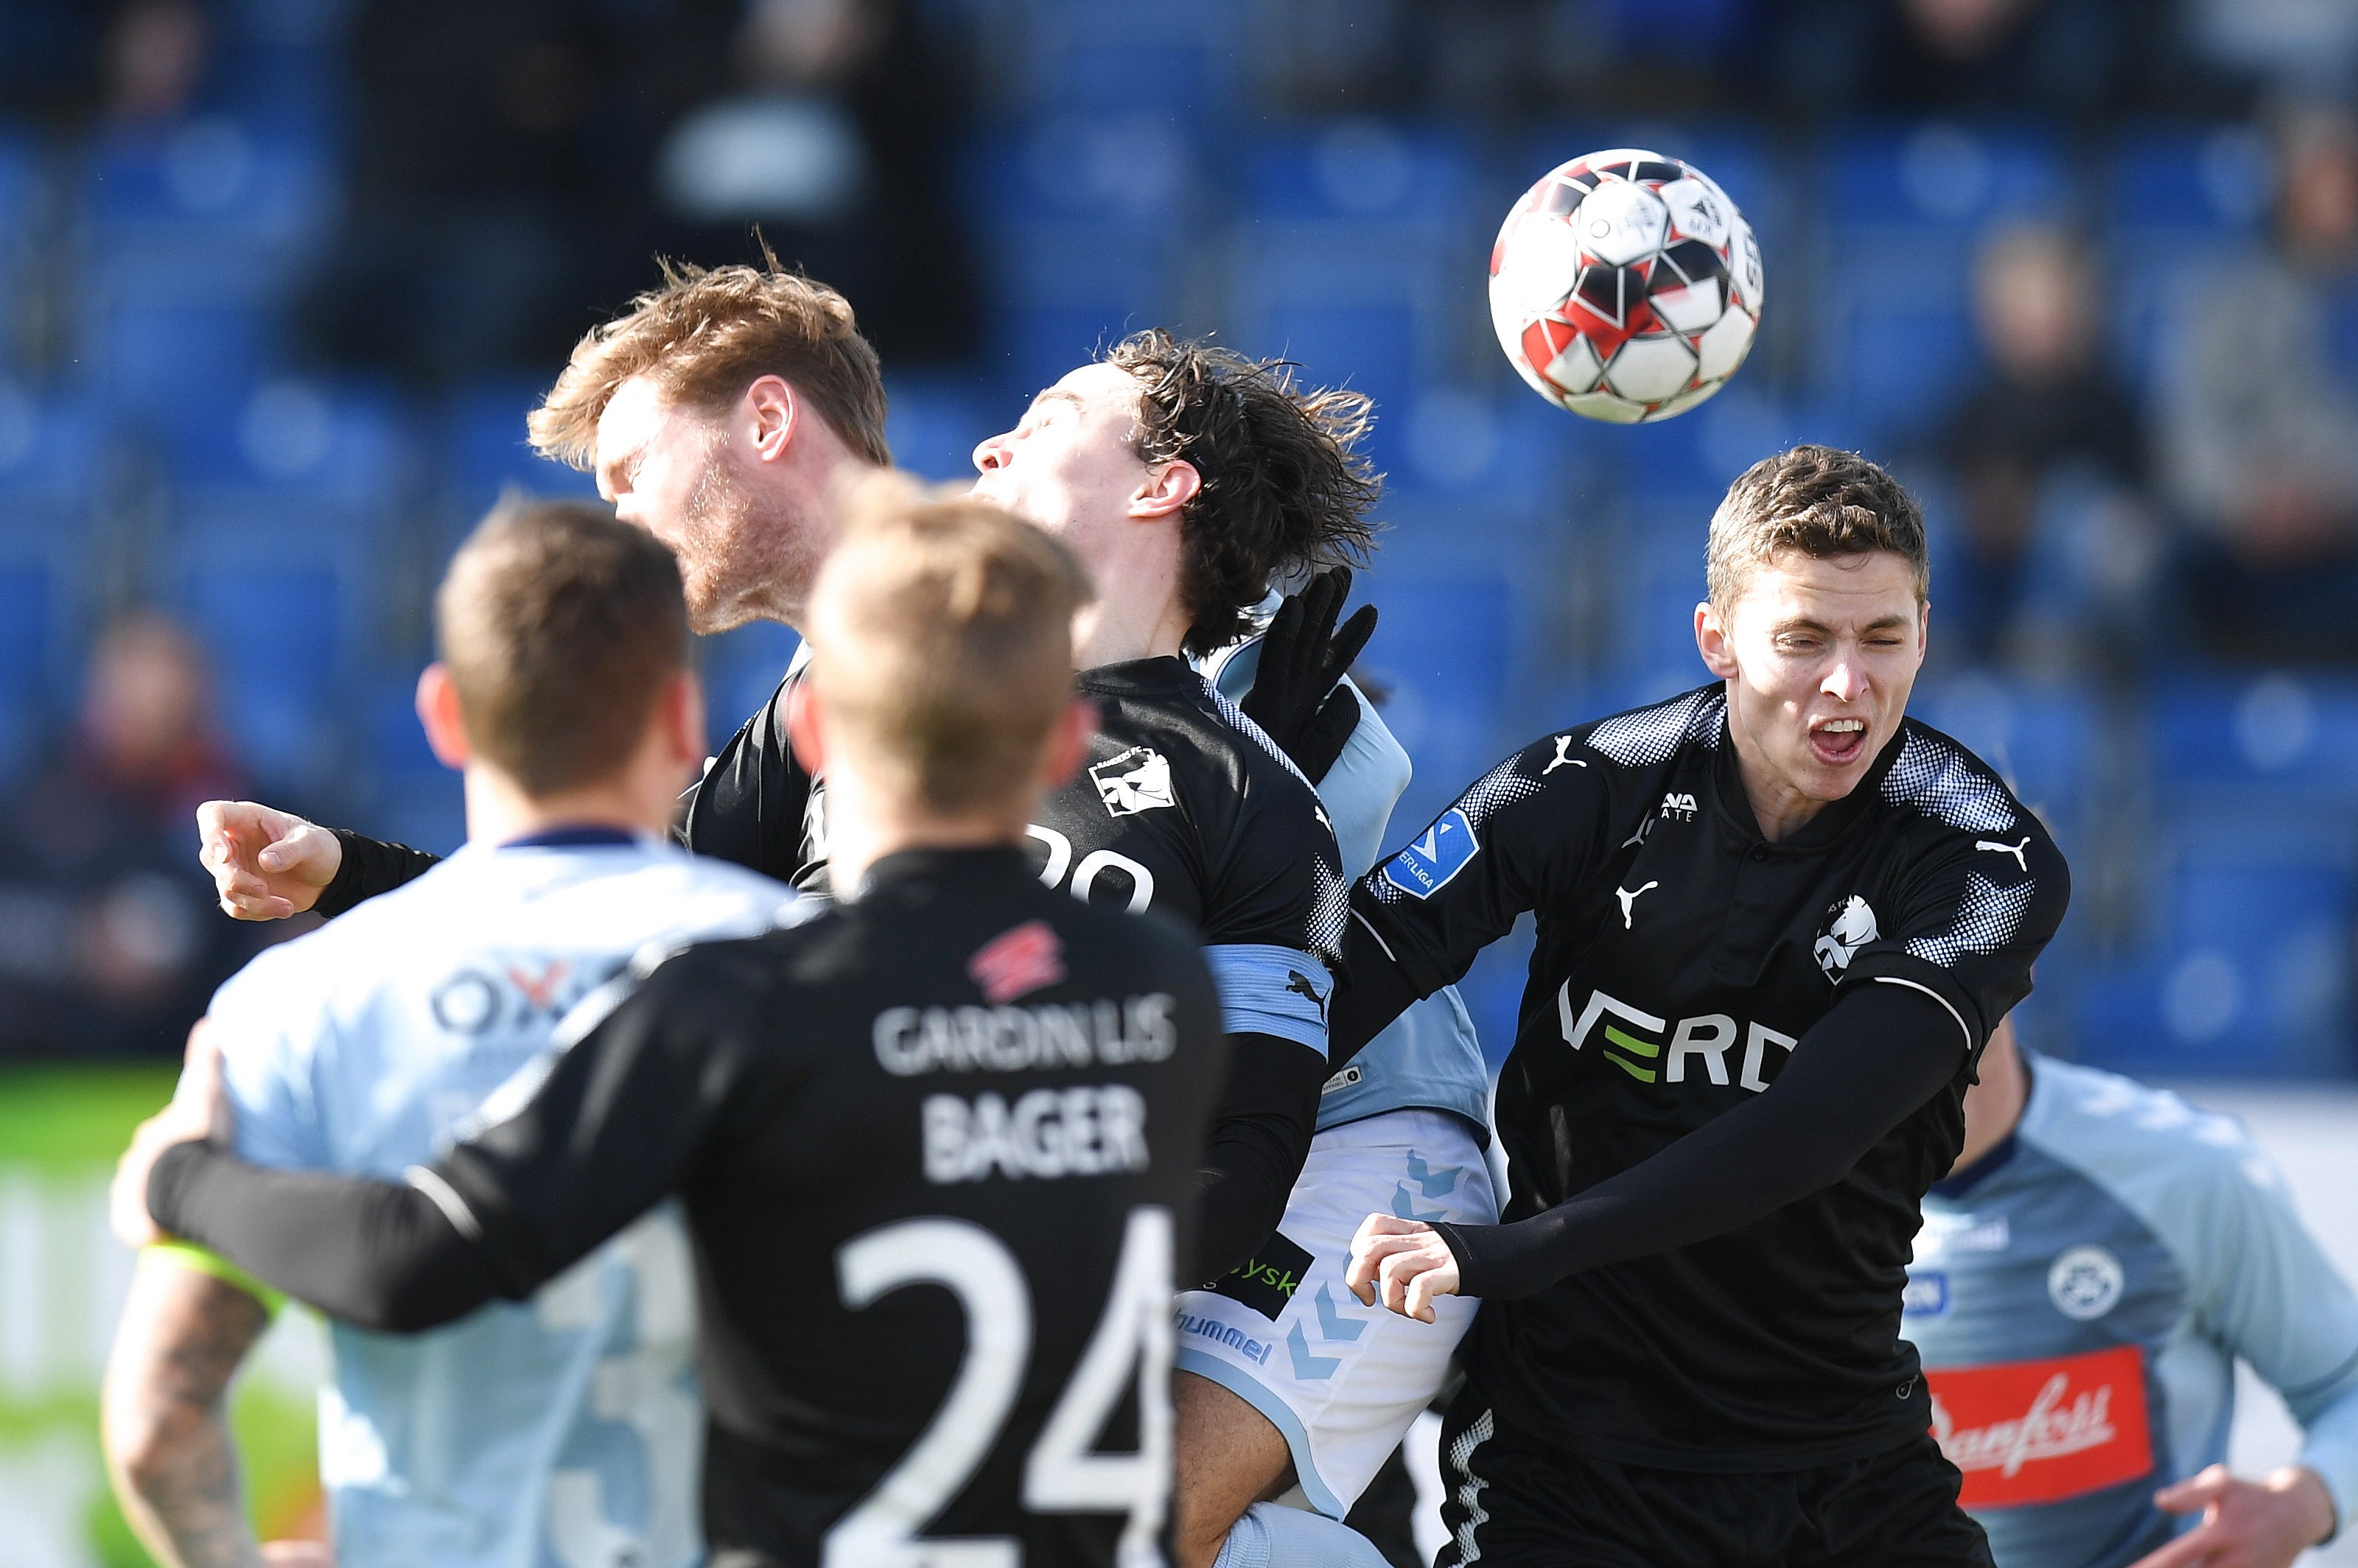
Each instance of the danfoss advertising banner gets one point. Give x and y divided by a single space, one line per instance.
63 1281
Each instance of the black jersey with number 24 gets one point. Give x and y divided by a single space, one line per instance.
1680 958
935 1150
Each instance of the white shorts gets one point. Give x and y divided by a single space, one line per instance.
1341 1382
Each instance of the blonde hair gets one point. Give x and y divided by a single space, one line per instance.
941 640
560 628
704 337
1821 500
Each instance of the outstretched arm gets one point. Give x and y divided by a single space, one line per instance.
1874 1059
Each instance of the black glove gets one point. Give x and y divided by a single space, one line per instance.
1295 695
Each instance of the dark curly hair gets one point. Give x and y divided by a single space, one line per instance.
1821 500
1285 491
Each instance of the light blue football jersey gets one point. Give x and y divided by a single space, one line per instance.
2080 1300
564 1432
1428 1058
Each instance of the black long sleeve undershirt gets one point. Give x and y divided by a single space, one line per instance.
370 866
385 1257
1872 1061
1374 992
372 1253
1260 1135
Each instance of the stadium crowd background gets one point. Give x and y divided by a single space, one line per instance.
279 279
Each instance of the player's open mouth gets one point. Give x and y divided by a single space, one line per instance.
1837 741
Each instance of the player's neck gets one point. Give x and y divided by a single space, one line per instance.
1779 810
1110 631
498 809
859 834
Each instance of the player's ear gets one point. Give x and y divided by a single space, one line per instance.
437 710
1166 491
767 411
1713 642
803 727
1069 744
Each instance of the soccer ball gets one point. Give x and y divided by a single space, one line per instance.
1625 286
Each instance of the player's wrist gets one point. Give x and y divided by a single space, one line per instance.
2303 1490
1464 1253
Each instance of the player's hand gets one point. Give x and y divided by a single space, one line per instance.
1404 1262
2246 1524
298 1554
1303 654
199 1110
266 864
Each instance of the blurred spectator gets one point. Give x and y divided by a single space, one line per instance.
516 164
109 944
475 236
2264 415
2080 60
832 126
2048 449
136 59
2298 46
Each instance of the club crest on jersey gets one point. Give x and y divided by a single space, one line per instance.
2084 1282
1137 780
1017 962
1850 926
1425 866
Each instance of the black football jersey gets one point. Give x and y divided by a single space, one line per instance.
1184 806
935 1150
1680 958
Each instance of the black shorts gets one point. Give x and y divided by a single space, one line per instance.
1509 1501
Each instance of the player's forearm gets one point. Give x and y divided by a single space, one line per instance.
372 1253
169 1447
187 1505
1872 1061
2330 1451
370 866
1260 1135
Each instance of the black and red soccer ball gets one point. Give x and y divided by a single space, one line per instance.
1625 286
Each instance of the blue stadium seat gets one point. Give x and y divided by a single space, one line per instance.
1360 172
2283 738
2251 978
410 797
1487 458
486 452
2189 182
284 612
288 445
1081 221
1443 651
2183 201
935 423
1903 206
1087 54
1951 176
156 358
1355 257
234 200
49 454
